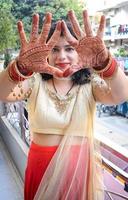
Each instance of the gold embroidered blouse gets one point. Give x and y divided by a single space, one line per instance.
50 113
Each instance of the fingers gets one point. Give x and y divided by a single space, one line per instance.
69 37
100 32
53 71
35 26
70 71
23 39
56 35
75 25
46 27
87 24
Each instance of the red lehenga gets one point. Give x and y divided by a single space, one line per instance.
71 175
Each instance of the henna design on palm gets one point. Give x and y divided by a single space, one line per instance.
33 54
91 49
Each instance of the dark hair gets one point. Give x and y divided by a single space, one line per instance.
80 77
53 26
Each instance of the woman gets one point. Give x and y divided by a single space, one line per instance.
63 163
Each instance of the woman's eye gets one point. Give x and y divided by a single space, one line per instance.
69 49
55 50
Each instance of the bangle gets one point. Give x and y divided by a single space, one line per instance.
105 68
14 74
29 75
109 73
22 69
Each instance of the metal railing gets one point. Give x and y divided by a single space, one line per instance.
17 115
110 195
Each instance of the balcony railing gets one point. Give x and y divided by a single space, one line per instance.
17 115
116 32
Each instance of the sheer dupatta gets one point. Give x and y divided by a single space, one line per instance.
74 172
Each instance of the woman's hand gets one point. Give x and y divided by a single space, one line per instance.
33 54
91 49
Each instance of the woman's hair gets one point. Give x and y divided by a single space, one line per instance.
80 77
53 26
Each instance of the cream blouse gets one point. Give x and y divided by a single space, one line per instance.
50 113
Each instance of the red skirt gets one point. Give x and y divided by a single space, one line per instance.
38 160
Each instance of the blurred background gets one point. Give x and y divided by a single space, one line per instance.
111 128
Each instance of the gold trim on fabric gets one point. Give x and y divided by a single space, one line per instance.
60 103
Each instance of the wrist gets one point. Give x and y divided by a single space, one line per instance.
14 73
102 65
109 70
22 69
105 65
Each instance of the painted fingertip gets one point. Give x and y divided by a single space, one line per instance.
85 13
67 73
63 25
58 26
103 18
35 15
71 11
59 74
48 17
48 14
35 18
19 25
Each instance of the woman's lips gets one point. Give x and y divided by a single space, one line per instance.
63 65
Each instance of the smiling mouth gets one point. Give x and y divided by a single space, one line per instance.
63 65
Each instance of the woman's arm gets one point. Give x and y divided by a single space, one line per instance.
95 55
117 90
32 58
11 91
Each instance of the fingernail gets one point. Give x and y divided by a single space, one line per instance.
48 17
59 74
58 26
35 18
19 24
71 12
67 73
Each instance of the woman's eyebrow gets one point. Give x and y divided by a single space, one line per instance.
68 45
63 46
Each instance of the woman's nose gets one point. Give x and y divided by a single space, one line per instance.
62 55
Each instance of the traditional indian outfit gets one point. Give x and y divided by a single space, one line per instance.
71 170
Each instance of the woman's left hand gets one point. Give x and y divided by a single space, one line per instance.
91 49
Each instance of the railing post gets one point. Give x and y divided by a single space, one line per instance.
22 120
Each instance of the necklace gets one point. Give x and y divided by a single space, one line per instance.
56 89
60 103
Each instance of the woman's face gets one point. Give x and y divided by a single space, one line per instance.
63 55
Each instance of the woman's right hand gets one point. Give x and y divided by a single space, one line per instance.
91 48
33 54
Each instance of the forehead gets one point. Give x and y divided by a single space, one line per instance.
62 42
